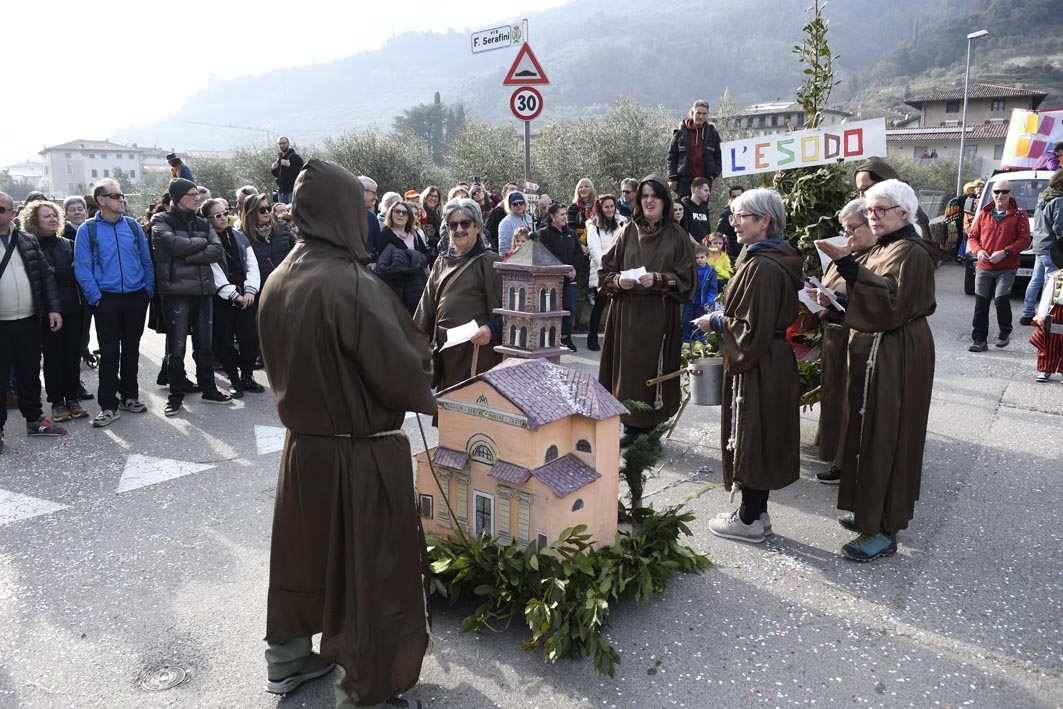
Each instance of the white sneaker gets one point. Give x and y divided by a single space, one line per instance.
1043 377
732 527
765 519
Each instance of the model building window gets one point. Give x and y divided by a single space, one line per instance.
541 542
482 454
485 507
551 454
583 445
577 505
426 506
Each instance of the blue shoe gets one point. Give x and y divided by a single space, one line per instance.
871 546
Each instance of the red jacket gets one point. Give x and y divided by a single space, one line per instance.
1011 234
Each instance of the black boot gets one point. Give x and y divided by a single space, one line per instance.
592 343
249 384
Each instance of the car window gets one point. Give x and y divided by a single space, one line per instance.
1025 193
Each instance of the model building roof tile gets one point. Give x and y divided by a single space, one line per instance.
566 475
533 253
509 472
449 458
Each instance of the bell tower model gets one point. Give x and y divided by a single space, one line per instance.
532 280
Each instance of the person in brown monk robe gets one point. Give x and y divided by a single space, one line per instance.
643 339
834 347
464 285
891 369
759 421
345 363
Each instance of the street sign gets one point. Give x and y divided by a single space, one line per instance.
526 103
526 69
500 37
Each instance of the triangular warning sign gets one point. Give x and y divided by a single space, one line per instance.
525 70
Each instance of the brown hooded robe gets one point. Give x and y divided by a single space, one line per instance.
642 331
887 312
346 364
760 428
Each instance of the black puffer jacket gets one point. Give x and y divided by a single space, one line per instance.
185 246
270 252
42 280
679 152
59 253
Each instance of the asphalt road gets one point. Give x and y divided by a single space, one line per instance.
145 545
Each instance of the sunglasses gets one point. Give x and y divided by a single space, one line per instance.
263 210
1001 191
400 213
114 195
517 203
463 224
5 210
219 215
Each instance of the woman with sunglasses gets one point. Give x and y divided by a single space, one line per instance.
270 238
464 285
402 257
237 281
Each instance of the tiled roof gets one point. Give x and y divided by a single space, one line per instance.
976 91
532 255
566 475
922 135
448 458
781 107
509 472
546 392
91 145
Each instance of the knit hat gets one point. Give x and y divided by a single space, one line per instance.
515 197
412 194
179 187
879 168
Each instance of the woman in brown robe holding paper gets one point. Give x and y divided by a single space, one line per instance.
346 364
642 332
891 370
760 428
464 285
834 347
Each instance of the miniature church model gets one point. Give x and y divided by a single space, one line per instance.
525 450
532 279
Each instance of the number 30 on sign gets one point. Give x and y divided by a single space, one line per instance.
526 103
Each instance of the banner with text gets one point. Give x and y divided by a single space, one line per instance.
804 148
1030 135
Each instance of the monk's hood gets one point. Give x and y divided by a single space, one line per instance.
328 206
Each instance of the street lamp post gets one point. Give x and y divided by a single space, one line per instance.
963 123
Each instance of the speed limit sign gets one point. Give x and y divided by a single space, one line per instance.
526 103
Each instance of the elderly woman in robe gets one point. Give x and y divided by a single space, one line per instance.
834 348
464 286
642 331
347 555
891 369
760 428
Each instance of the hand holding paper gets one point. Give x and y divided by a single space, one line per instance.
634 273
827 292
460 334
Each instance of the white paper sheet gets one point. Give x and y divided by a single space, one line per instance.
634 273
827 292
824 259
813 306
460 334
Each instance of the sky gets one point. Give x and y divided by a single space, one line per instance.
139 60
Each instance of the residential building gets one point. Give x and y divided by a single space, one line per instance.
782 117
30 171
75 167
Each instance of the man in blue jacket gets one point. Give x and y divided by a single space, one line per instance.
113 265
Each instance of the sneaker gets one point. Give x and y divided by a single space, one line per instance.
1003 341
236 392
61 413
765 519
173 407
76 410
593 345
978 347
248 383
314 666
848 521
105 418
1043 377
1026 320
216 397
732 527
830 476
567 342
401 703
90 360
83 393
44 427
871 546
133 406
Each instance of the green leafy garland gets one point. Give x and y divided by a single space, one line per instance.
564 590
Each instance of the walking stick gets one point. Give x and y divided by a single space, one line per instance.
442 492
475 356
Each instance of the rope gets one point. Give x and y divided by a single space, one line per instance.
736 410
869 374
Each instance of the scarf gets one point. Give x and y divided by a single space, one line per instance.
265 232
1050 194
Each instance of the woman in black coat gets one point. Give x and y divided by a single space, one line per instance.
564 244
271 239
402 260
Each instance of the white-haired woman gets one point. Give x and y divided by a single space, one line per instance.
760 429
464 285
891 369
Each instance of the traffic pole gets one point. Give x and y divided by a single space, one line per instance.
527 151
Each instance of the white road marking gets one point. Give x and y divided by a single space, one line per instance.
14 506
269 439
143 470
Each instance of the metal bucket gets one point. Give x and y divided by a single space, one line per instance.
706 381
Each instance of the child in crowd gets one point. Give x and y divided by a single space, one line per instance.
519 239
718 259
1049 340
704 296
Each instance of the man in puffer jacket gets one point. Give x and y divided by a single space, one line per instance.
694 151
185 247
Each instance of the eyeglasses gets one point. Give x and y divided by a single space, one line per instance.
847 231
878 211
219 215
517 203
4 210
1001 191
463 224
113 195
739 216
626 191
400 213
263 210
